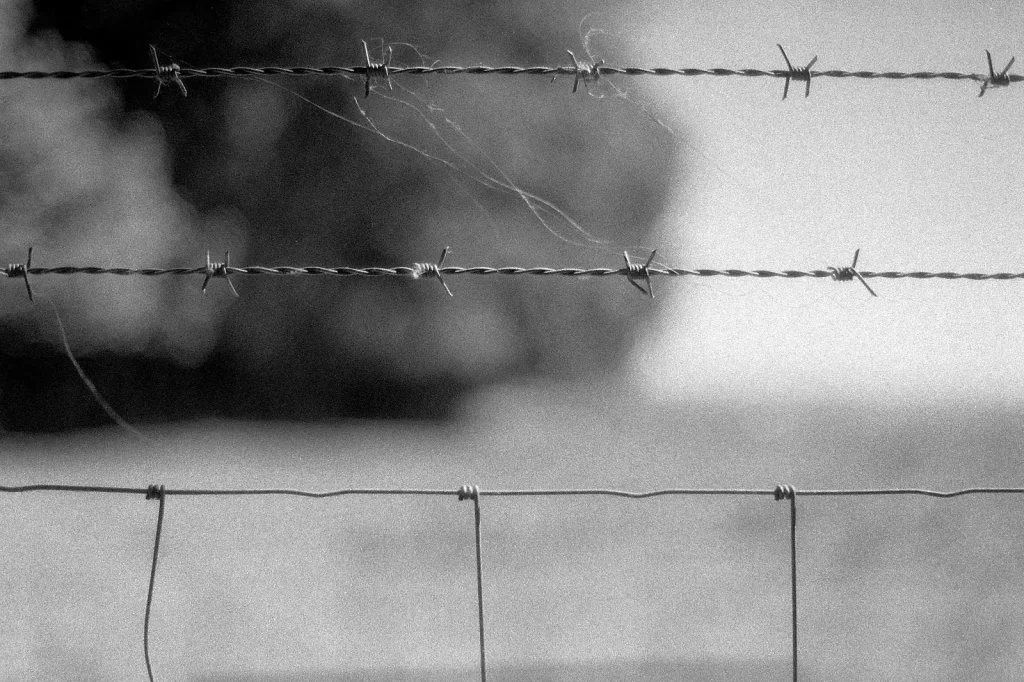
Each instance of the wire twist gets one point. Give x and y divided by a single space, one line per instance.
468 492
784 492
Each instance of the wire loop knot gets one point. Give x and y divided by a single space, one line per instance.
635 271
849 272
584 71
784 492
166 73
432 270
377 70
469 492
155 492
21 270
996 80
218 270
802 73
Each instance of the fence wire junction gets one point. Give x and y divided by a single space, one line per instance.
581 71
475 493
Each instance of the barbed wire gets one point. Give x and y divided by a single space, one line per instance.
634 272
475 493
581 70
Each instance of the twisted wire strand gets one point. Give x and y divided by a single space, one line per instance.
413 271
246 71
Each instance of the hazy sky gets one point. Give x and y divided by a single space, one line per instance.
919 175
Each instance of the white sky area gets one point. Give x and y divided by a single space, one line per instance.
919 175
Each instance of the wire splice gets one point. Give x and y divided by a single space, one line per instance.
784 492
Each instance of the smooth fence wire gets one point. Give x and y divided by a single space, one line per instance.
475 493
372 71
634 272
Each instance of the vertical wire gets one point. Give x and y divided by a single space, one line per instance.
792 546
480 588
153 492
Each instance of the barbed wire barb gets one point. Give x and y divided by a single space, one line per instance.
585 72
635 271
171 73
424 270
377 70
21 270
996 80
797 74
848 273
218 270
